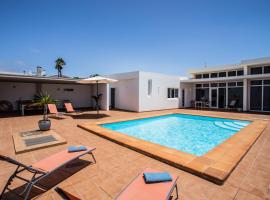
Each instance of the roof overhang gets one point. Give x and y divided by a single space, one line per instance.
223 79
32 79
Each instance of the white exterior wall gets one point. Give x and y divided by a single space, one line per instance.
80 96
104 90
12 91
126 91
158 99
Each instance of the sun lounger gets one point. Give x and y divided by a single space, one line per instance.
53 110
70 110
65 195
139 190
42 168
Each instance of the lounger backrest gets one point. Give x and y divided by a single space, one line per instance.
52 108
233 102
69 107
10 160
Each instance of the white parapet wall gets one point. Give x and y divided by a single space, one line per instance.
126 90
153 91
145 91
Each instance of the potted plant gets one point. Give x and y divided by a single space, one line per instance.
43 100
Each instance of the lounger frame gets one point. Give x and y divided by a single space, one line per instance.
37 174
168 195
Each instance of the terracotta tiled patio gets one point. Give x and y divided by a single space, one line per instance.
117 166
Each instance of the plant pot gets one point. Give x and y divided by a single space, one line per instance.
44 125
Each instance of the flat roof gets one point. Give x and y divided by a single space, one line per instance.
36 79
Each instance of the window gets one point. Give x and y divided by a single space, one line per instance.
222 74
198 85
214 75
183 98
266 82
206 85
172 93
236 94
176 93
205 75
240 72
256 70
214 84
232 73
239 83
198 76
266 70
202 94
256 82
222 84
68 89
149 89
232 84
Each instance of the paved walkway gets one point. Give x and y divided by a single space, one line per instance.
117 166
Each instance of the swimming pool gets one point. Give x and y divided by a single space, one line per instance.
188 133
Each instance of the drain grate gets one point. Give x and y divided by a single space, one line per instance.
39 140
30 133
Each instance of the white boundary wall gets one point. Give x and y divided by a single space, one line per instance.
131 91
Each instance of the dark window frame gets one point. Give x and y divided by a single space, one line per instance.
231 73
240 72
214 75
254 72
225 74
198 76
205 76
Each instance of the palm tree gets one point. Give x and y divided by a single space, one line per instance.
59 63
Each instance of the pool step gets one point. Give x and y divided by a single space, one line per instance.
243 124
233 126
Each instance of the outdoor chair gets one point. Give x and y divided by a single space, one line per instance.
70 109
232 104
53 110
138 189
42 168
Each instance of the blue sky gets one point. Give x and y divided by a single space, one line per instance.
117 36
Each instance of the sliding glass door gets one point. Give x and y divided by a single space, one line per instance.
266 97
256 98
221 97
214 98
260 95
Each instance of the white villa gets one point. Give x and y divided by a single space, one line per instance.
244 87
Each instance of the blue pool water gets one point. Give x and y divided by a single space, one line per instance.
188 133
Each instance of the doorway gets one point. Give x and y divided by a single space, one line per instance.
112 98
